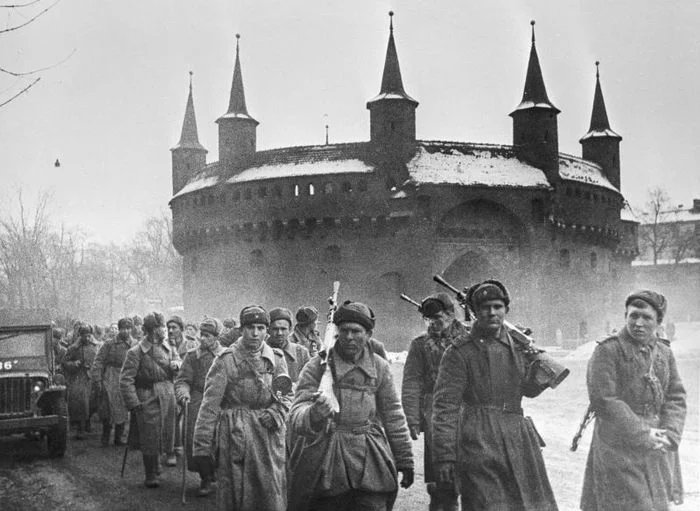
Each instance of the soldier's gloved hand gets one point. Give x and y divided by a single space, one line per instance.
659 439
415 431
185 401
174 365
407 475
445 472
267 420
320 410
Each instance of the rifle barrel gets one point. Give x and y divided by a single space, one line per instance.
410 300
443 282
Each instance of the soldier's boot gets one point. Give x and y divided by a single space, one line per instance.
149 466
79 431
119 434
106 432
206 471
442 499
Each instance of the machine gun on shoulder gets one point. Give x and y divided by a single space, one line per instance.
548 372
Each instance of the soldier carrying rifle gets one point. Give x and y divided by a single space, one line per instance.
481 441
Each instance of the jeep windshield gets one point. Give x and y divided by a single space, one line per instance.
22 344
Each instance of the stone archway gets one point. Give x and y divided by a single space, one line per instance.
472 267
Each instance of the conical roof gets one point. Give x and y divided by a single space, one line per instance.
600 125
392 84
189 138
535 92
236 105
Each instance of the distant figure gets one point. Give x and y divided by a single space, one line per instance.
305 332
295 355
105 377
189 390
640 406
76 367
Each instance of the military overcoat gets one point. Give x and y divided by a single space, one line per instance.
106 368
251 458
77 364
633 387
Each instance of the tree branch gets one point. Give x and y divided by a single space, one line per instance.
20 92
35 71
19 6
30 20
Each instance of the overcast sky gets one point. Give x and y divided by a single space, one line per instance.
113 110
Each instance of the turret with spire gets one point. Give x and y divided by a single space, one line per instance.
601 144
535 130
237 129
188 156
392 112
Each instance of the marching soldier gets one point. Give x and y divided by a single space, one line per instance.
182 345
640 405
105 376
146 384
76 367
481 440
295 355
189 389
248 416
349 460
305 331
419 376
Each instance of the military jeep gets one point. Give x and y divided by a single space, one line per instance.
32 393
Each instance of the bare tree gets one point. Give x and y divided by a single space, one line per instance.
25 13
655 234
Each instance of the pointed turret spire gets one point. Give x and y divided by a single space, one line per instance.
236 104
535 92
189 138
392 84
600 125
601 144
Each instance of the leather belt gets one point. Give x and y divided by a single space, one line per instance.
501 408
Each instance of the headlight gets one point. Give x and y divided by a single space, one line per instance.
38 386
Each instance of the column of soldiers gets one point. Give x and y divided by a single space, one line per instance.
259 447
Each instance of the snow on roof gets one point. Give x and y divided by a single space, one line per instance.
679 215
198 184
524 105
391 95
600 133
472 164
576 169
306 168
627 214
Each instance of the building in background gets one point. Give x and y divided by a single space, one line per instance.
276 227
669 259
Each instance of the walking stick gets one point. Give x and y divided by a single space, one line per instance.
184 454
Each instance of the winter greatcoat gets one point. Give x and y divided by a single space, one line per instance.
623 473
296 357
189 384
419 375
251 459
106 369
76 367
367 441
147 379
479 425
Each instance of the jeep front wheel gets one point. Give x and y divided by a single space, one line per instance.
58 435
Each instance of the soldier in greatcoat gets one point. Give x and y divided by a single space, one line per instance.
189 390
249 419
76 367
351 459
481 440
146 384
295 355
419 376
639 403
105 376
182 345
